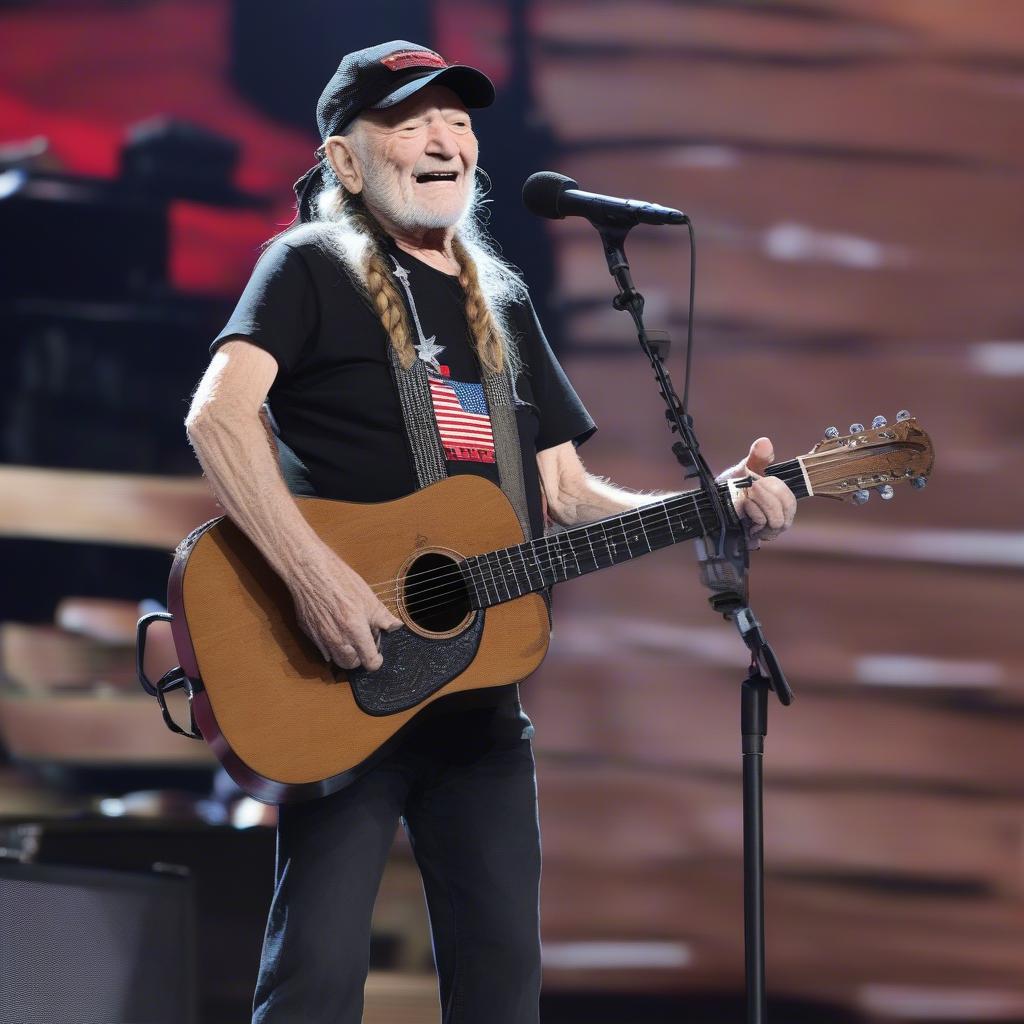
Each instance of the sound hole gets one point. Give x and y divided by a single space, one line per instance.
436 598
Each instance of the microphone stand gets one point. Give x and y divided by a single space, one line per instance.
723 553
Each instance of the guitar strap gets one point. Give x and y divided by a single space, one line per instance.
421 428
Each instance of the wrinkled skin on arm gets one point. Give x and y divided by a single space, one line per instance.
335 607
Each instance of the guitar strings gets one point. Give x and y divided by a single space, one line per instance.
792 473
653 512
647 514
654 533
484 569
430 598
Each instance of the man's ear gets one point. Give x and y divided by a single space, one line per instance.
344 162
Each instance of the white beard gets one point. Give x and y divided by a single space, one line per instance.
381 192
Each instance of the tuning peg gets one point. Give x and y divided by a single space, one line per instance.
860 497
885 492
856 428
878 421
918 482
903 414
831 433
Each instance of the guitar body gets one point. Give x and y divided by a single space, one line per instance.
285 724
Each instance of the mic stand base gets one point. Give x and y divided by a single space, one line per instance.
754 717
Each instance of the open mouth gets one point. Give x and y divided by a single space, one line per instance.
422 179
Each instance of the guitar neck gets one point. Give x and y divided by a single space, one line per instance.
503 575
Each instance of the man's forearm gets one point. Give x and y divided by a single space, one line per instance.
596 497
242 470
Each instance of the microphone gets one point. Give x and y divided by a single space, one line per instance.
555 196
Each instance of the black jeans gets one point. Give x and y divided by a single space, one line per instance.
468 801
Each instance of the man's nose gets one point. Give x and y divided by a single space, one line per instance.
442 141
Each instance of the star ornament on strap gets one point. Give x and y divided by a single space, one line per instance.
428 350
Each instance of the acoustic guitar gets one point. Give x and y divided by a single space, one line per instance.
451 562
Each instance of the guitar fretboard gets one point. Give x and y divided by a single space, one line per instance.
508 573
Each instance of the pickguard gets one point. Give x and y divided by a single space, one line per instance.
414 667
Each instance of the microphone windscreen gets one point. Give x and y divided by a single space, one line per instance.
542 191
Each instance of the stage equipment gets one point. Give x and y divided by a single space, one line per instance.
100 946
722 545
555 196
231 872
450 560
165 157
75 239
100 347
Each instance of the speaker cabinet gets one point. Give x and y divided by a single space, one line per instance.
100 946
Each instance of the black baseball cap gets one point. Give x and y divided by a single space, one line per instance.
379 77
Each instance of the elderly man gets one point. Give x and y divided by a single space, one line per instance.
385 281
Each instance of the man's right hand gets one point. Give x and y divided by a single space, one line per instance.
339 612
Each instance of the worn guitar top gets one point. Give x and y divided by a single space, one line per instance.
334 405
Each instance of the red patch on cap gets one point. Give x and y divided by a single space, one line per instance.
412 59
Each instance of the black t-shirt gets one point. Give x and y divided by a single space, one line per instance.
334 405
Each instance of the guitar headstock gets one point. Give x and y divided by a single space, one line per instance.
848 466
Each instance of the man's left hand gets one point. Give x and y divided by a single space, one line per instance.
767 503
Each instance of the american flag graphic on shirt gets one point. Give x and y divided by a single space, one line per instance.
461 412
